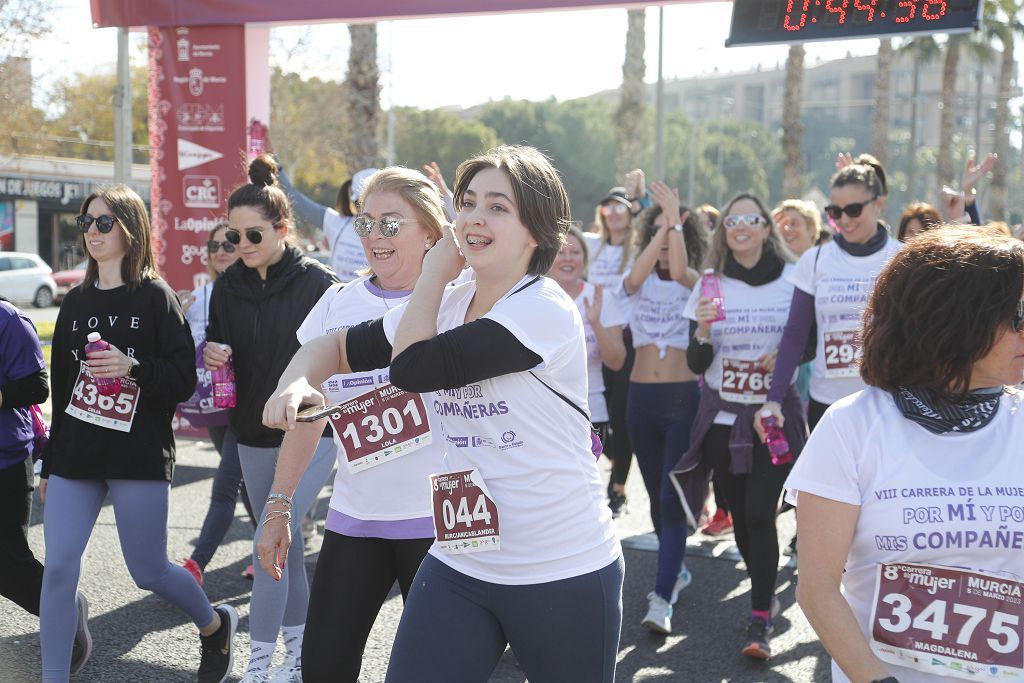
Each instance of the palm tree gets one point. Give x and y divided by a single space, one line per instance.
630 126
792 127
883 101
362 95
1005 25
922 50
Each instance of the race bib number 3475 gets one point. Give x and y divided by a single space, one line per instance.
948 622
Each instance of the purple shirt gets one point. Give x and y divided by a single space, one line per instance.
20 356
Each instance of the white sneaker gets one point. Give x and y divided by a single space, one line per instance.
256 677
684 579
288 671
659 614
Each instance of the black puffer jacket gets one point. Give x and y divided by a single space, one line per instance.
258 319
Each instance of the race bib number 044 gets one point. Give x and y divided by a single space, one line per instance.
948 622
381 425
465 517
111 412
842 354
744 381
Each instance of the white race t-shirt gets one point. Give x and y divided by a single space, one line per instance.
347 255
198 314
656 316
610 317
755 318
840 284
395 490
531 449
606 269
953 500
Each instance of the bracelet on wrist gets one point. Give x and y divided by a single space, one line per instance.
279 498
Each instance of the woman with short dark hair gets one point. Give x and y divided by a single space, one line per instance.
908 492
916 218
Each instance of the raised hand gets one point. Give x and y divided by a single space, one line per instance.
433 173
668 199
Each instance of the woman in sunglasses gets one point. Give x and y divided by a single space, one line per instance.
908 493
833 282
379 522
525 551
199 411
111 431
736 356
663 392
611 254
256 307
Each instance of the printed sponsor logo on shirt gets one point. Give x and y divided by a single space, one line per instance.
509 439
480 441
459 441
357 382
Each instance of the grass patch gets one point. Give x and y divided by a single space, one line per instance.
45 331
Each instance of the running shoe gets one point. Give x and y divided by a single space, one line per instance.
82 647
719 525
659 614
218 648
193 568
757 646
288 671
617 503
249 573
684 579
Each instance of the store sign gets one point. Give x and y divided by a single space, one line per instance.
65 192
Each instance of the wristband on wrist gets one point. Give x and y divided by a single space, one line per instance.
704 341
279 498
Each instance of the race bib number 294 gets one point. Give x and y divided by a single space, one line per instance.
948 622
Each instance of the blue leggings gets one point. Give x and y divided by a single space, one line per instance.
455 627
660 417
140 510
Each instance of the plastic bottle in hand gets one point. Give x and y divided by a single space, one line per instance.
224 385
775 439
108 386
711 287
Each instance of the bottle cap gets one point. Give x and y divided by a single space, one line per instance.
766 413
709 271
93 337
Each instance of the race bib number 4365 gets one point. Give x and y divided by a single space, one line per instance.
115 412
948 622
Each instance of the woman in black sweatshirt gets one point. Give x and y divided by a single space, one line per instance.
117 438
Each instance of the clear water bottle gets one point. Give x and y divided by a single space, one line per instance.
775 439
711 287
108 386
223 379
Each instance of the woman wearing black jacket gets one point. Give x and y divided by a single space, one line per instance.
257 305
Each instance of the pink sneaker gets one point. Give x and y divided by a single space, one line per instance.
248 573
719 525
193 568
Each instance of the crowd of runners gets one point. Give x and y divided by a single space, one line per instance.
463 367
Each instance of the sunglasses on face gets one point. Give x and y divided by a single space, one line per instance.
1018 318
735 220
235 237
103 223
609 209
387 225
213 246
852 210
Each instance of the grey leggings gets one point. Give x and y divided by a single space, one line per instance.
140 510
563 631
284 602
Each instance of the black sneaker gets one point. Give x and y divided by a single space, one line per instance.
218 649
617 503
757 646
82 647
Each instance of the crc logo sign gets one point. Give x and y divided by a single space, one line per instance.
201 191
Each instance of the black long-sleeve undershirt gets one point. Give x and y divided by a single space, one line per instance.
26 391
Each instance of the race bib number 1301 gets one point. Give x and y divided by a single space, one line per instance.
381 425
948 622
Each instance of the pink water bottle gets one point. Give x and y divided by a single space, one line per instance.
108 386
775 439
711 287
257 139
224 385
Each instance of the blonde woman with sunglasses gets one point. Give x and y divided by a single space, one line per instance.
257 305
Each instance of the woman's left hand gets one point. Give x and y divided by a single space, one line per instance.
593 309
767 361
110 363
444 261
667 199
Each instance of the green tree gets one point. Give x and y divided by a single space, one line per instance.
1003 20
792 127
630 124
422 136
363 97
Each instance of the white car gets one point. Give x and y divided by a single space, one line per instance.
25 278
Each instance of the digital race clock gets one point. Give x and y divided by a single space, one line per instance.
758 22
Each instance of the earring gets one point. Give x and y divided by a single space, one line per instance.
427 245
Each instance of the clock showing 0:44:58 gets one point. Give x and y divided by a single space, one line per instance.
760 22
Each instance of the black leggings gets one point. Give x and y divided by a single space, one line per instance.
753 499
21 574
814 412
352 580
616 436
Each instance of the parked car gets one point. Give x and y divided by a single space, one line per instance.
66 279
25 278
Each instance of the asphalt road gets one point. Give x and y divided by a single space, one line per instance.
139 637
